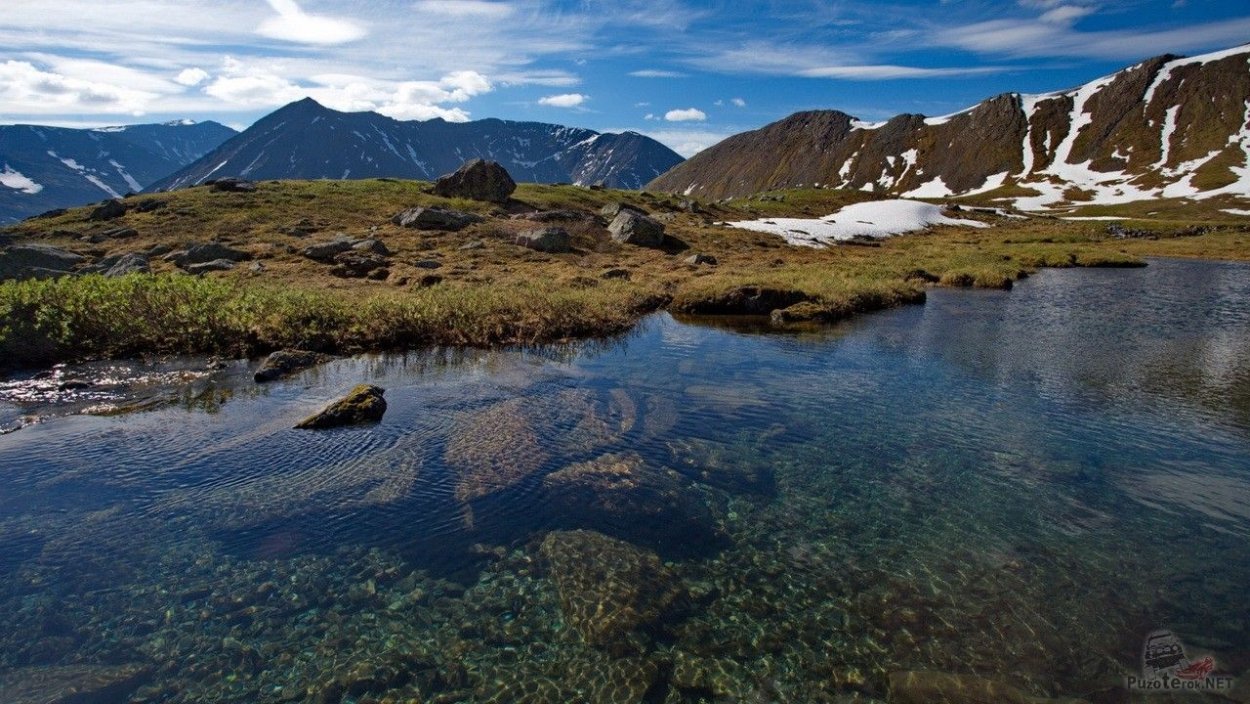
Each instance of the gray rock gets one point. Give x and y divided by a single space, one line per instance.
436 219
373 245
357 265
27 261
47 214
475 244
325 252
126 264
616 273
547 239
108 210
363 404
697 259
205 267
233 185
556 216
210 252
611 210
629 227
477 180
159 250
428 264
285 362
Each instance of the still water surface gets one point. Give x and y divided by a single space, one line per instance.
1015 485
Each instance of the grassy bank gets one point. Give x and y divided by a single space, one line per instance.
476 287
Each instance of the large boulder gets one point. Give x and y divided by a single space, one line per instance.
621 494
214 265
108 210
436 219
207 252
325 252
608 587
233 185
363 404
358 265
547 239
632 227
32 261
493 449
122 265
284 362
477 180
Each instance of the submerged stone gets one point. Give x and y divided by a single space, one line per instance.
493 449
608 587
921 687
72 684
284 362
363 404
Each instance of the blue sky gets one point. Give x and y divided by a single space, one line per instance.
687 73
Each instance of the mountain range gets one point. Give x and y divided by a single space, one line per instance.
42 168
1169 127
306 140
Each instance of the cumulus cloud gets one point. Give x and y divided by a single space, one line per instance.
294 25
687 142
28 89
739 102
565 100
192 77
687 115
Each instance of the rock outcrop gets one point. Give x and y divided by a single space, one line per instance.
554 240
363 404
36 261
632 227
442 219
286 362
477 180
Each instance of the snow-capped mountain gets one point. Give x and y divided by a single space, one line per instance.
1168 127
305 140
42 168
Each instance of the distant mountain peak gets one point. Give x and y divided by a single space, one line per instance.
1167 127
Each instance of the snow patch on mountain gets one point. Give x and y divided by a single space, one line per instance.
11 178
880 218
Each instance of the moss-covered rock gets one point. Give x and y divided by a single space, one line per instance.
284 362
363 404
608 587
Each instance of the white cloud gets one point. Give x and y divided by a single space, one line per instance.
192 77
687 142
1040 37
294 25
687 115
886 71
464 8
652 73
27 89
739 102
566 100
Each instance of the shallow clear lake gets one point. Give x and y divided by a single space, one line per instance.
1013 486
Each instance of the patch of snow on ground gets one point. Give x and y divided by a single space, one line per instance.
991 182
862 125
1091 218
932 189
880 218
18 181
1028 105
1236 211
1169 127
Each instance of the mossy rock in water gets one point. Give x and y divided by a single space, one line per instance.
363 404
946 688
620 492
284 362
608 587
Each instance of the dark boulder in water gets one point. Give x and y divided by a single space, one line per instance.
284 362
363 404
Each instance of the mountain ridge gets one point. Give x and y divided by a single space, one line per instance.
305 140
1168 127
43 168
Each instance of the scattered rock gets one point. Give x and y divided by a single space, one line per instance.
126 264
608 587
149 205
205 267
232 185
616 273
208 253
428 264
257 268
697 259
372 245
555 216
363 404
108 210
284 362
611 210
355 265
548 239
159 250
630 227
436 219
429 280
467 246
32 261
325 252
477 180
